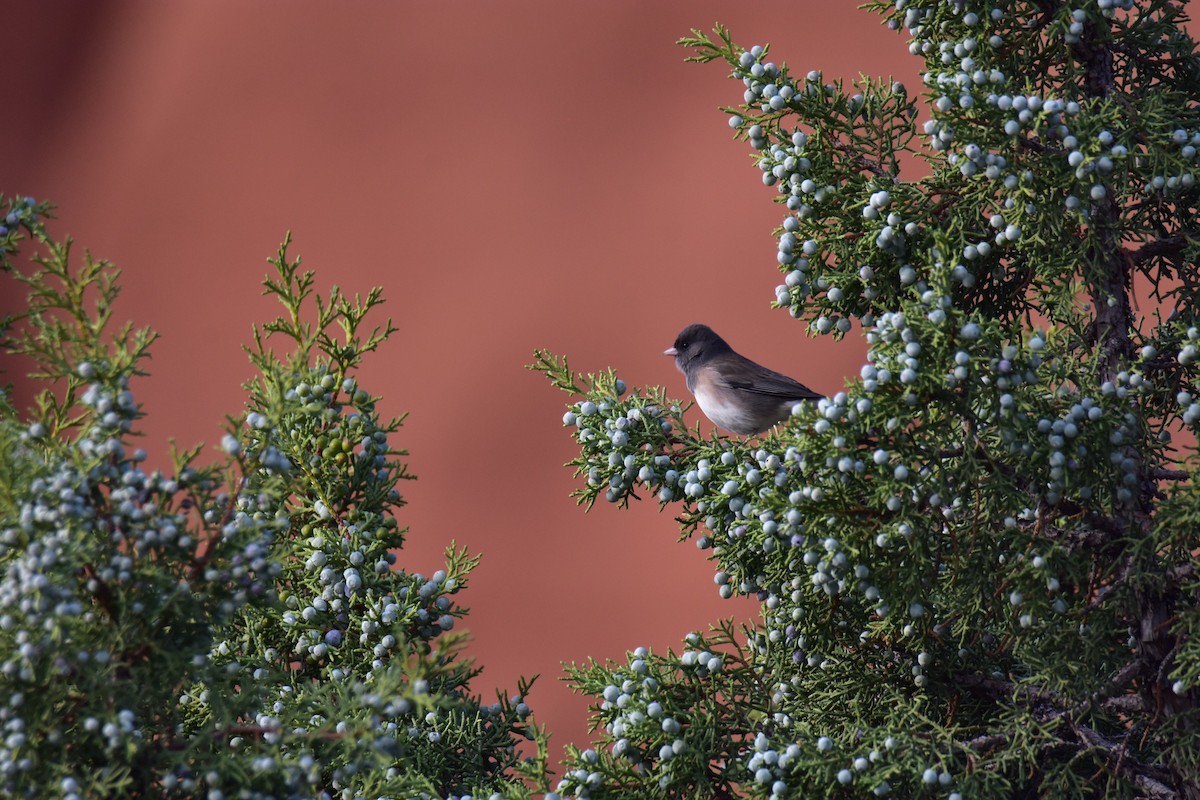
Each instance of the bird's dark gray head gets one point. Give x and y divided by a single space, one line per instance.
695 342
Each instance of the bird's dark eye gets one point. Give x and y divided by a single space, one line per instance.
683 346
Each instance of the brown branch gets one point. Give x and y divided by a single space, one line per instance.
102 593
1152 779
1166 246
997 687
1103 595
986 742
1035 145
870 165
1032 695
1182 573
1088 538
1125 704
1107 693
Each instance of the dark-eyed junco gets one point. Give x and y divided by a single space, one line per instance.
732 391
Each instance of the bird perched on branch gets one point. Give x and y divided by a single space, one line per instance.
734 392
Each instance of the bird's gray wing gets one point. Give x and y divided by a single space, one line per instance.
768 383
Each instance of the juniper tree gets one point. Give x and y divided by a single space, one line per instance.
228 629
976 563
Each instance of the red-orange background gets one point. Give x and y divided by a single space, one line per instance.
515 175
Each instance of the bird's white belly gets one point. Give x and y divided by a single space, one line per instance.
728 415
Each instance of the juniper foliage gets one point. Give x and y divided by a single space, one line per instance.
229 629
976 564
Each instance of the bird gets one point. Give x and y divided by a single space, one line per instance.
734 392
